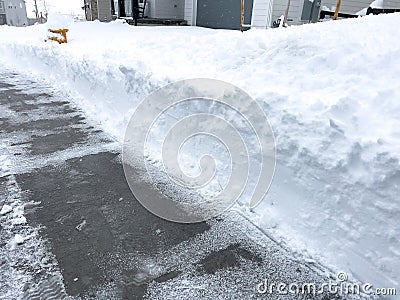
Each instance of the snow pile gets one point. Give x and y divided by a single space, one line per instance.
5 209
57 21
374 4
331 92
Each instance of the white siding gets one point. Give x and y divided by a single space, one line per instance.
353 6
262 13
190 12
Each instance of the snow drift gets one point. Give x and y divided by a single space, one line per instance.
331 92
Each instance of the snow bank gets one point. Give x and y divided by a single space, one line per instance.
331 92
57 21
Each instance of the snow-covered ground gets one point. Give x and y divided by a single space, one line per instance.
331 92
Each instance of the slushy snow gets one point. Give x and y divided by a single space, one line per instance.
330 90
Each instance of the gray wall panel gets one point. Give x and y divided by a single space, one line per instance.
222 13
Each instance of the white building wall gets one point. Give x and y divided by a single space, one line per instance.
262 13
16 12
190 12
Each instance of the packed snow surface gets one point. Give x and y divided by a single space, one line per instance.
331 92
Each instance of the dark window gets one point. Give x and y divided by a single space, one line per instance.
121 5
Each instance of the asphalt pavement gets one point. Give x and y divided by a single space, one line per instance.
99 241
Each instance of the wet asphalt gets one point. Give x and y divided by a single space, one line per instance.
106 245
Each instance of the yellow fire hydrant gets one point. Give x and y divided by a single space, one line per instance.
61 35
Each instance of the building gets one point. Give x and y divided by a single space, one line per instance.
262 13
98 10
227 13
13 13
304 11
3 19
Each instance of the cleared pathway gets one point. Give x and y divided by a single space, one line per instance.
86 236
